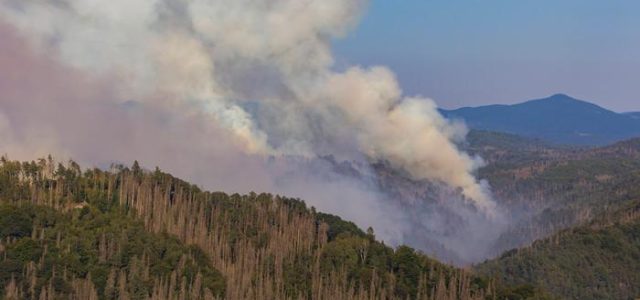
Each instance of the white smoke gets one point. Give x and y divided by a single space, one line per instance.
239 81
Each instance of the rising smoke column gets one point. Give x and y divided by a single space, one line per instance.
259 71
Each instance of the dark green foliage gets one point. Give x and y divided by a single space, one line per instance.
598 261
407 266
338 226
72 242
523 292
14 223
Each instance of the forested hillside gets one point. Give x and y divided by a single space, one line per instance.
597 261
87 252
547 189
583 203
133 234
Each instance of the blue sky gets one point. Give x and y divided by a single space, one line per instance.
474 52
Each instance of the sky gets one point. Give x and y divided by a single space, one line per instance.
476 52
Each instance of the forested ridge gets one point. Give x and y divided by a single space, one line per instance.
584 215
555 188
600 260
128 233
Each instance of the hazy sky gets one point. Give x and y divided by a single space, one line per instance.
474 52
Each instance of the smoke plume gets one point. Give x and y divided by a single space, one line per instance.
234 95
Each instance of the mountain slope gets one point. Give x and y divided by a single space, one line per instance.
558 119
265 246
547 189
597 261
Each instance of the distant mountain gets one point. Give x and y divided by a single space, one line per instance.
559 119
634 115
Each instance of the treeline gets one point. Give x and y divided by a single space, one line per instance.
131 233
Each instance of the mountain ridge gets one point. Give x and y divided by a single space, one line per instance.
558 119
633 114
186 243
598 260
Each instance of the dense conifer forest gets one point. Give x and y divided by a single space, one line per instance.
128 233
131 233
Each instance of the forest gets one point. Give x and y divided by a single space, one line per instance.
555 187
581 240
319 150
130 233
133 233
595 261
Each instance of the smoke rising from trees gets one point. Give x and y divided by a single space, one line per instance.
233 95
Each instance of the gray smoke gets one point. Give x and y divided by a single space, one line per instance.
233 95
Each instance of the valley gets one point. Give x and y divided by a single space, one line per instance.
572 209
